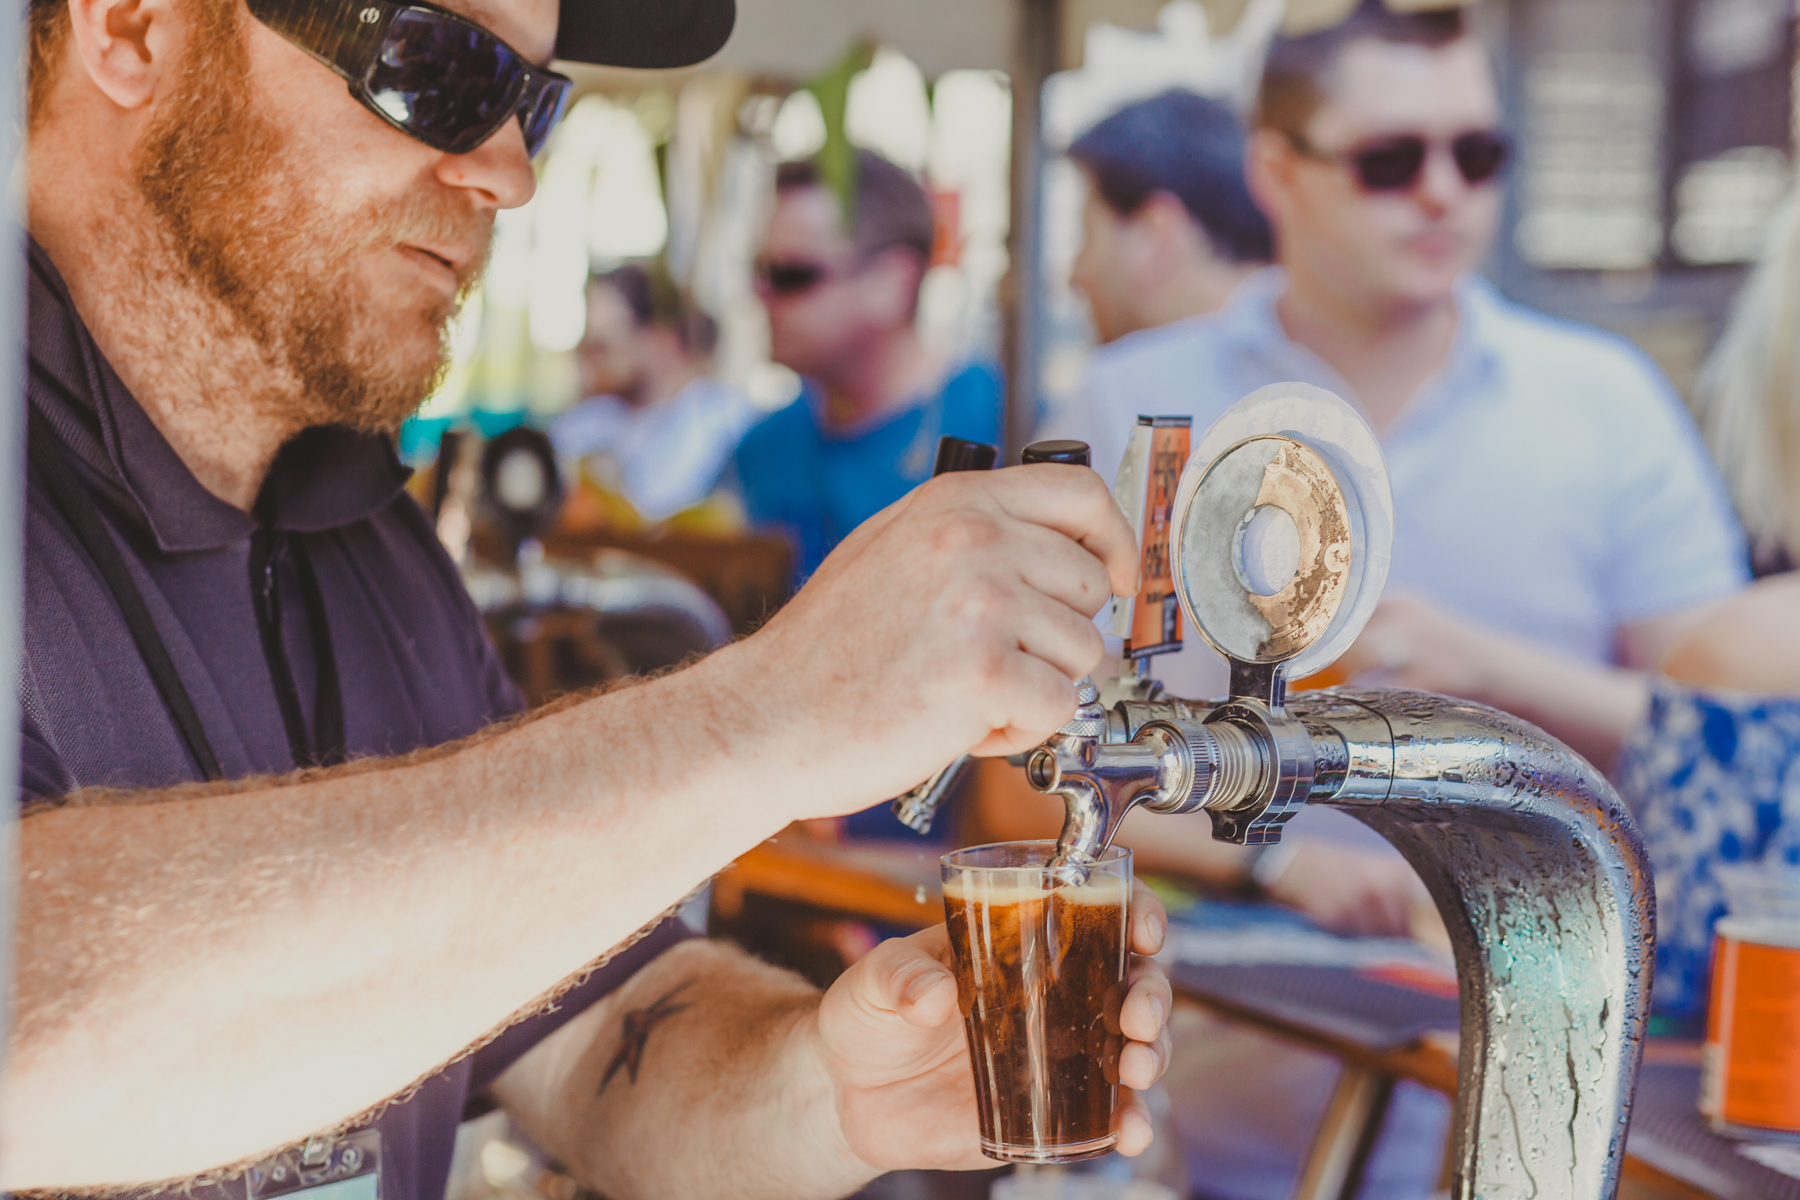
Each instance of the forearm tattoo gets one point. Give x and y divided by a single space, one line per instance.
634 1033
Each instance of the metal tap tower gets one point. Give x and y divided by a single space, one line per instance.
1279 542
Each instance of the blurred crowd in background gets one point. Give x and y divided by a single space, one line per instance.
1645 177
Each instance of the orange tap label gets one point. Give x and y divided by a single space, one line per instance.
1147 482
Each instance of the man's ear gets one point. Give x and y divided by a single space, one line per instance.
127 47
661 343
1269 161
1171 226
895 276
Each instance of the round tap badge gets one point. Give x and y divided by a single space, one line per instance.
1273 579
1284 529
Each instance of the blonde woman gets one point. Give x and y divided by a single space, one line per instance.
1713 772
1750 398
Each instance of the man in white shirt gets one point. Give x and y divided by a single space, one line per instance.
1557 520
1169 232
655 430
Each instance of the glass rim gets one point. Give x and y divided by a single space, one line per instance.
1045 847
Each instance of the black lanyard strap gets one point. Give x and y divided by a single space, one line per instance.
323 747
50 459
328 700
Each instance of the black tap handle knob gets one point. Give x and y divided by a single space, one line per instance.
955 454
1076 454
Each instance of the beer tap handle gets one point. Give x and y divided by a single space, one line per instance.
1075 454
955 454
917 809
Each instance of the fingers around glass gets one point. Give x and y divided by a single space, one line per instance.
1141 1064
1149 920
1135 1129
1145 1012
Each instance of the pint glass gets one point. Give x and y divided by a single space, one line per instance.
1040 975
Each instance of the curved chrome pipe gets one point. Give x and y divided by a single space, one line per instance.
1531 858
1542 880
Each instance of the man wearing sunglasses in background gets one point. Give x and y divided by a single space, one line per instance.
1557 515
1557 520
1169 233
843 298
285 862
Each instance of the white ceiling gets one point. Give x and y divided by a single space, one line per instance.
799 38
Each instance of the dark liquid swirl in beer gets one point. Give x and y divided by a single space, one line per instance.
1040 979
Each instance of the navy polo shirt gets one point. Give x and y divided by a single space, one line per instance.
415 665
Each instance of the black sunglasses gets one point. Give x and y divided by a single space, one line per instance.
1394 164
789 278
429 73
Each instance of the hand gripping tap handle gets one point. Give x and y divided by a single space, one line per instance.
918 808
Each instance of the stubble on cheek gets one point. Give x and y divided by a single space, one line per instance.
300 275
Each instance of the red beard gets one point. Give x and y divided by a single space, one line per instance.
249 227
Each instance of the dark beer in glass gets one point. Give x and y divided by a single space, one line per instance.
1040 975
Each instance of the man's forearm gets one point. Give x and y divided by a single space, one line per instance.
1411 643
699 1078
206 974
183 957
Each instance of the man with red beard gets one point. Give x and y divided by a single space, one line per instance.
285 861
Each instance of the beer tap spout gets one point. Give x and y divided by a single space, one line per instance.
1172 764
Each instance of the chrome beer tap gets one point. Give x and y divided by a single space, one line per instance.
1167 755
1277 548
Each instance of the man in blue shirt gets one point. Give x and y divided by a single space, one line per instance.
841 297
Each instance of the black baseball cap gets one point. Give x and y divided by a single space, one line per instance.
646 34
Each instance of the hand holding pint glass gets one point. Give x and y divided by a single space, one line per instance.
891 1036
1042 967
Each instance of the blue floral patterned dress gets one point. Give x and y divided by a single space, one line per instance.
1713 778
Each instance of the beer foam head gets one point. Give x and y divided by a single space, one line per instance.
1017 887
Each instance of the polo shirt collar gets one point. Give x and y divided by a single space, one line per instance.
814 397
324 478
1475 355
1476 360
1259 333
